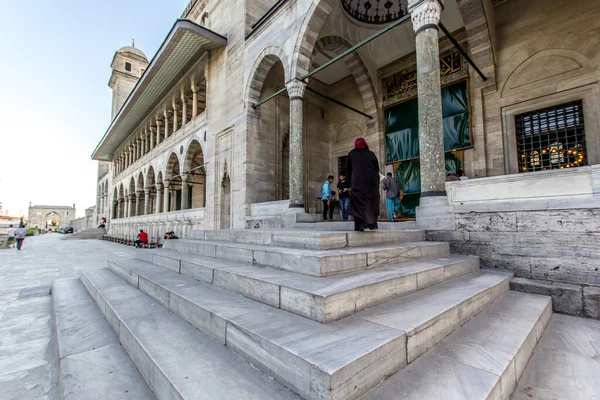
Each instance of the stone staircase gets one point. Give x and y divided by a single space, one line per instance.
87 234
317 312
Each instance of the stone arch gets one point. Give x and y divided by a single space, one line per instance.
534 67
358 69
262 66
196 176
472 13
173 166
267 128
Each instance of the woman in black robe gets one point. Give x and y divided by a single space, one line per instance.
362 169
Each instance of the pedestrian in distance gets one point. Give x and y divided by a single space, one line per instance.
20 235
392 195
11 236
362 168
327 197
344 190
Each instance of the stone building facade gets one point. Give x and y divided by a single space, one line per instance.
230 127
50 217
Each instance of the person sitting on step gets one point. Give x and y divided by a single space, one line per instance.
141 239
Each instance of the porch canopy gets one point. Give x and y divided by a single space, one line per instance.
183 47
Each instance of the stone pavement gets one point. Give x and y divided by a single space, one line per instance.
28 358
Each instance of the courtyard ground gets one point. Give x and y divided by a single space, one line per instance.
28 360
565 365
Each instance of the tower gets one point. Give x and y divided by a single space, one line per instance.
128 66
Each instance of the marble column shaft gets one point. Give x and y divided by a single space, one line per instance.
138 203
166 195
425 15
183 108
184 191
296 89
194 101
147 202
159 198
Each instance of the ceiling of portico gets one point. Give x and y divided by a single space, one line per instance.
380 52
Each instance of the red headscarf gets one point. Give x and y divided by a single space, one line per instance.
361 143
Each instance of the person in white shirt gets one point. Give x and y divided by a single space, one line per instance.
11 236
20 234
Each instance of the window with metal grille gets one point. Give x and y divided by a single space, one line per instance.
551 138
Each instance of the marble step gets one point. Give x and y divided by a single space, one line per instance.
323 299
349 225
308 239
92 363
483 359
340 360
312 262
176 360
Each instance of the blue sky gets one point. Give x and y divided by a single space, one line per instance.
54 97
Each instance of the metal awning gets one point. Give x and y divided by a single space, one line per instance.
184 45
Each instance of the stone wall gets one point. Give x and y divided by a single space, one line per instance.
544 227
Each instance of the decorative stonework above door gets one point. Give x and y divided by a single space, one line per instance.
375 11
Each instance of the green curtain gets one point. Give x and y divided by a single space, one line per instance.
402 124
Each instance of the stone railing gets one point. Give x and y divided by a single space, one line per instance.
181 222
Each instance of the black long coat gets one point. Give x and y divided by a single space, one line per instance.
362 169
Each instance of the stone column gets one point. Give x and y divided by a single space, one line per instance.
138 203
434 211
116 208
143 138
184 191
158 197
166 195
151 133
119 206
166 114
175 114
194 99
295 89
147 202
158 124
131 205
183 107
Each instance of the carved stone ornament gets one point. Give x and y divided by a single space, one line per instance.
296 89
425 13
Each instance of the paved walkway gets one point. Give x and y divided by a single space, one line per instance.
28 358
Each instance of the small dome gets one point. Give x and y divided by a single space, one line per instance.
132 50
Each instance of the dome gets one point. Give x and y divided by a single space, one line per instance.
375 12
132 50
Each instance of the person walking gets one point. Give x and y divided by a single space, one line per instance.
392 195
20 235
11 236
362 168
344 191
327 197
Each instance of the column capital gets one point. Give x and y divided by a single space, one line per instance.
159 186
296 89
425 13
185 177
158 122
131 196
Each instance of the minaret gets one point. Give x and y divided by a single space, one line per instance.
128 66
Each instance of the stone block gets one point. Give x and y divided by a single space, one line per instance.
487 222
255 289
196 271
591 302
582 221
566 298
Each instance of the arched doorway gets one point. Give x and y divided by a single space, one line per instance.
268 140
173 189
140 196
196 176
150 185
52 220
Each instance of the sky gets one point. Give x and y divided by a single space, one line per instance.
54 96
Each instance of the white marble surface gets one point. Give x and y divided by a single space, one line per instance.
566 363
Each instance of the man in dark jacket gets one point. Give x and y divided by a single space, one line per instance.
362 169
392 195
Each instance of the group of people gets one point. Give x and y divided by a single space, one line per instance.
142 238
358 191
16 236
